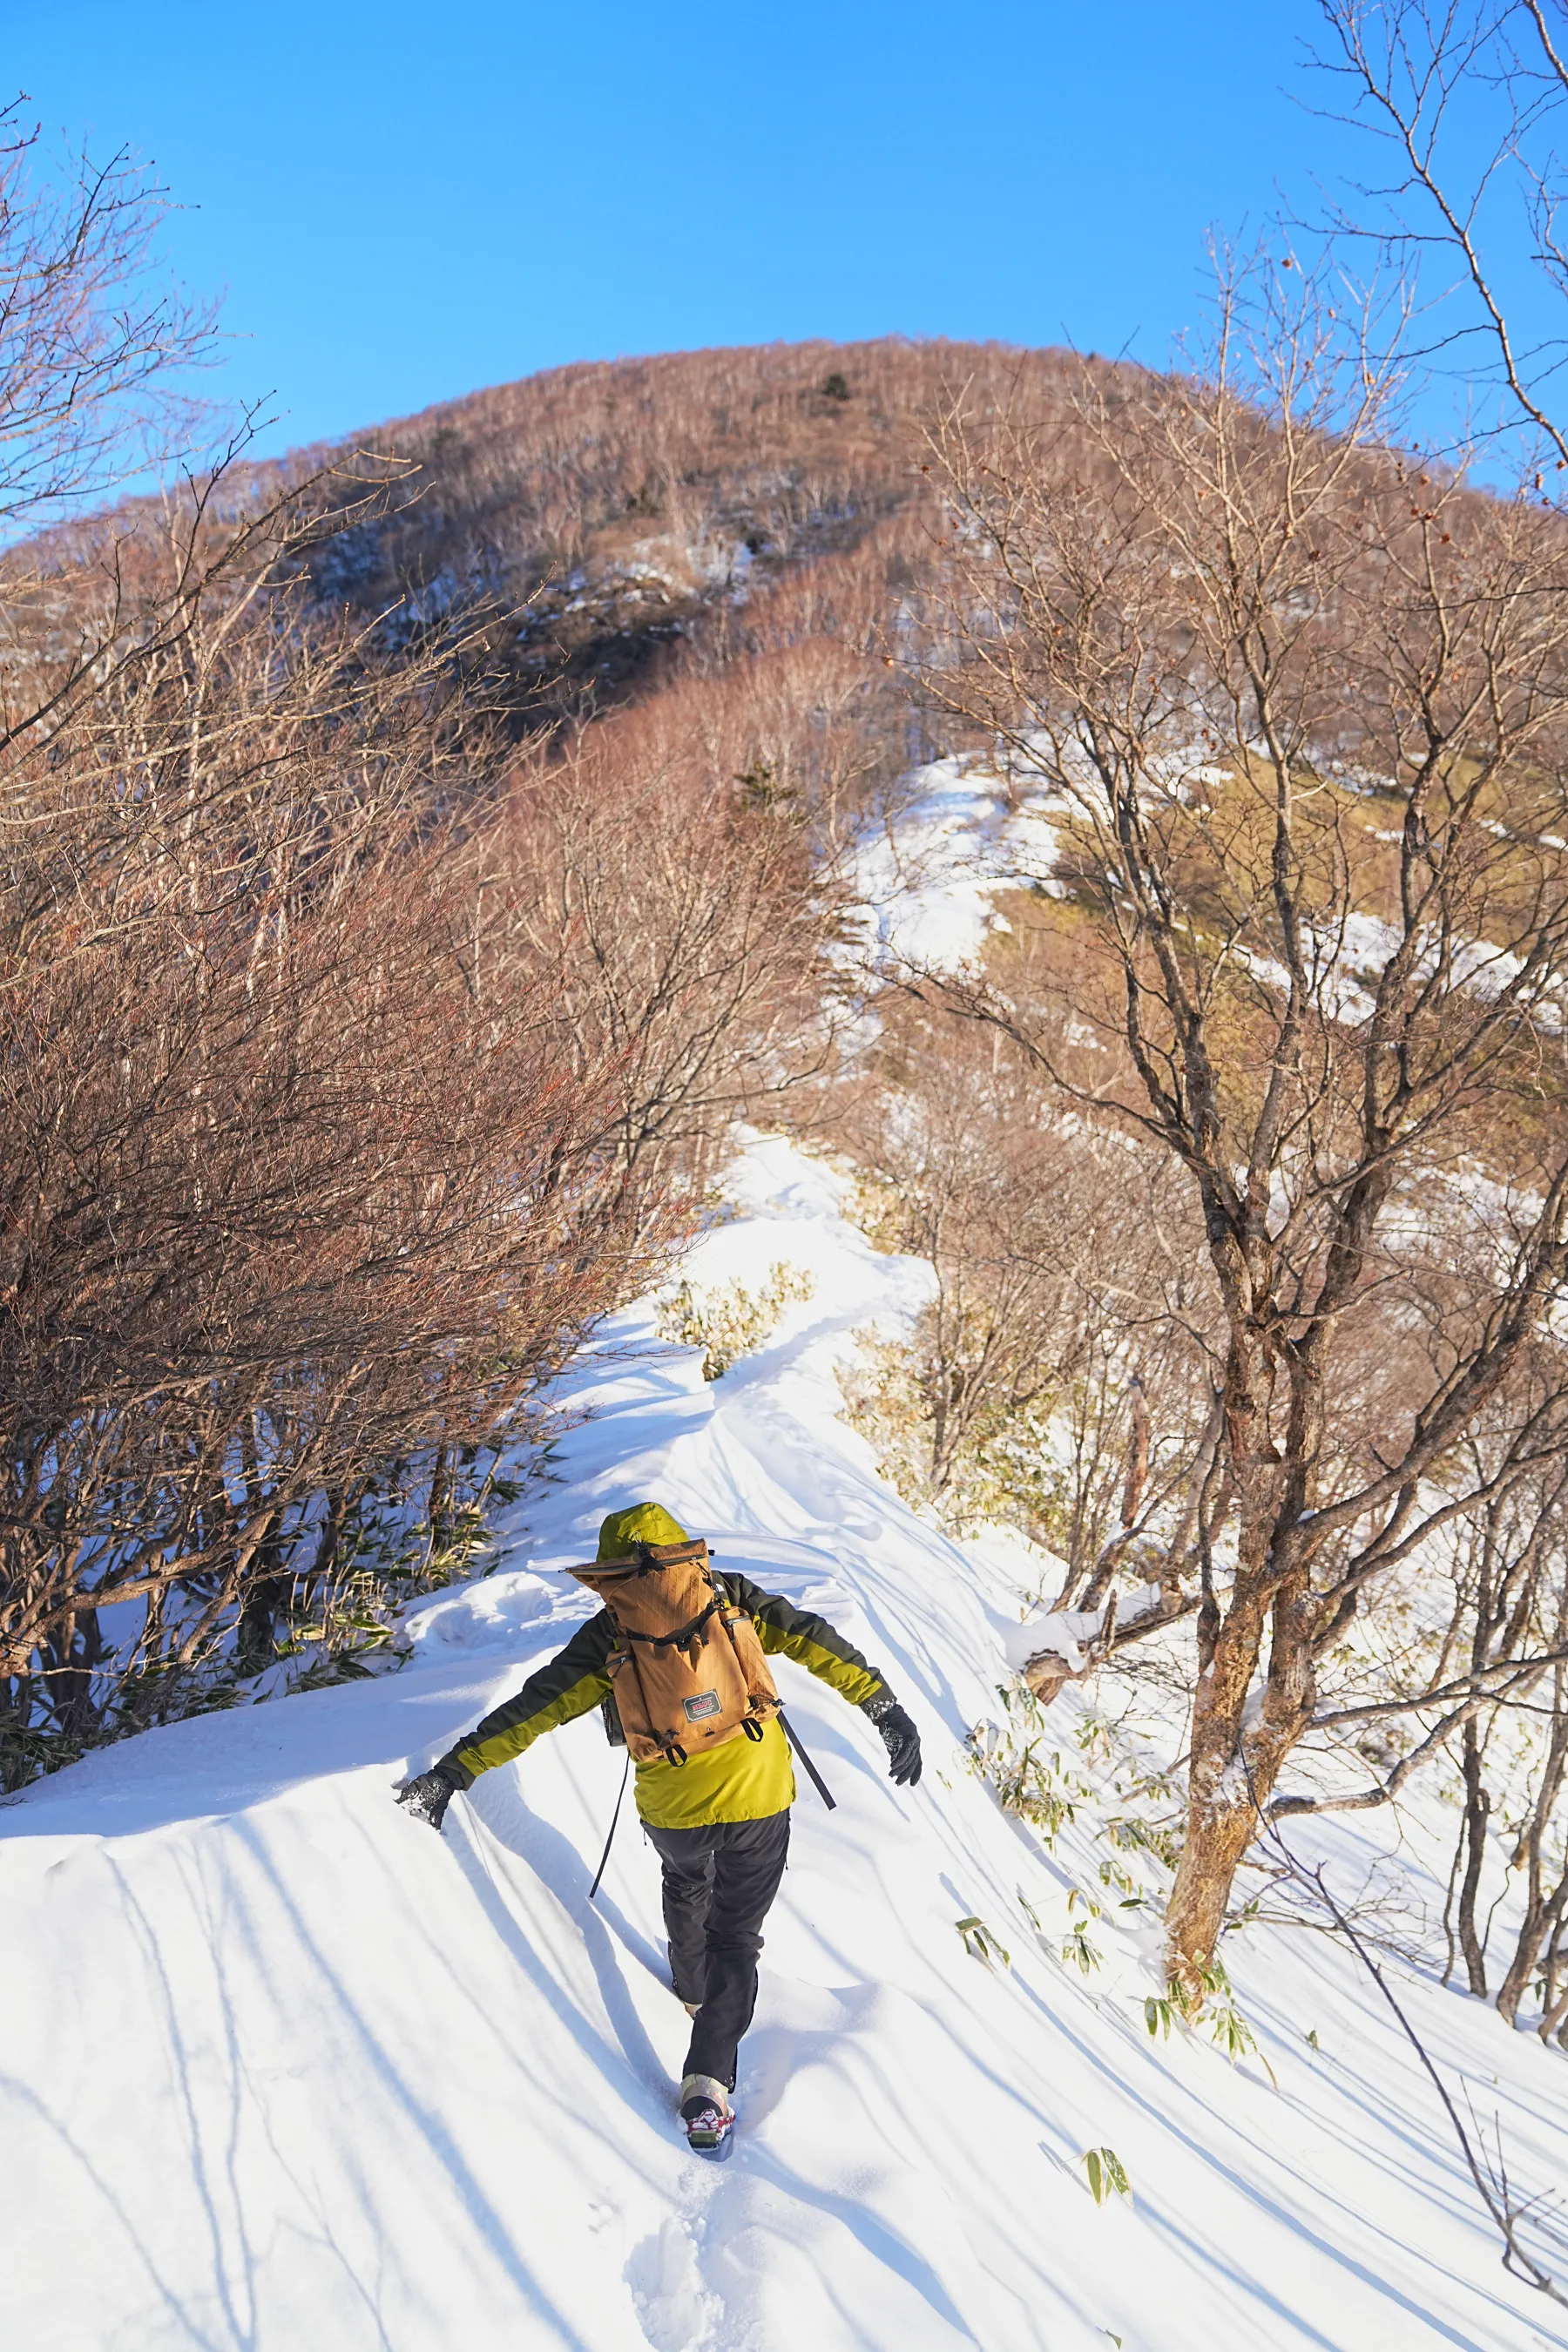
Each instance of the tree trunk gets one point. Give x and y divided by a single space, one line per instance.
436 1512
1137 1478
326 1557
1554 2005
1478 1807
1240 1740
1236 1753
1539 1917
73 1653
1526 1953
1239 1744
266 1590
1219 1831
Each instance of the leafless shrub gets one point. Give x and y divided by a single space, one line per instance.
656 877
1062 1376
285 1200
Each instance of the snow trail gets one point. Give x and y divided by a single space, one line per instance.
281 2070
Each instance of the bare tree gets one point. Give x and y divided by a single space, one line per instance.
1462 104
1301 708
97 355
96 344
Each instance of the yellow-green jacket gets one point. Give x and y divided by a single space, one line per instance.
743 1781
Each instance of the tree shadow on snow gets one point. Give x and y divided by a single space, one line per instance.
1251 2281
555 1862
220 2193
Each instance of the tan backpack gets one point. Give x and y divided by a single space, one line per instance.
687 1670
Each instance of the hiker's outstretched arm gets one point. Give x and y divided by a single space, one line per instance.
818 1646
810 1640
575 1679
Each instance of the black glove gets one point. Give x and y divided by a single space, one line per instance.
427 1795
903 1741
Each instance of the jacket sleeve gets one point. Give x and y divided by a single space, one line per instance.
575 1679
810 1640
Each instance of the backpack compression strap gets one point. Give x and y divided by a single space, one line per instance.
684 1637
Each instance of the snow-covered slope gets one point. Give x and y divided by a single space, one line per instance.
284 2071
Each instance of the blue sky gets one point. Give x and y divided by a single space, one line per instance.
401 203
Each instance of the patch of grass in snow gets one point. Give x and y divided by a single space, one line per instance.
1027 1776
1213 2000
1003 1474
1078 1950
732 1321
1225 2021
389 1559
1107 2175
981 1944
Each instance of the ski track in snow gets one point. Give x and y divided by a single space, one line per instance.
280 2071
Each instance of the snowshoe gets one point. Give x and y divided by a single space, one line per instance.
709 2119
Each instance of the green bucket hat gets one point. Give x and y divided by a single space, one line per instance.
644 1523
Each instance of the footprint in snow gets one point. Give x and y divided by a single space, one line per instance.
676 2311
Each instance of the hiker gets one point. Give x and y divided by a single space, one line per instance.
694 1700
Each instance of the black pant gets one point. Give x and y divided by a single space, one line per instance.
719 1882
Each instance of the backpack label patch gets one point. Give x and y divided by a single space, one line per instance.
705 1703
